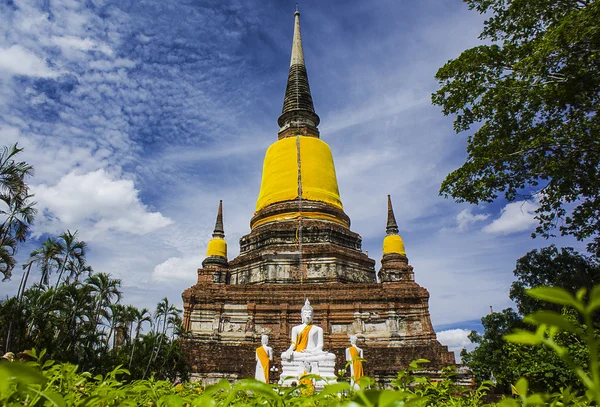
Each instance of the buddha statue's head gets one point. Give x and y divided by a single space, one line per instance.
353 340
264 339
307 313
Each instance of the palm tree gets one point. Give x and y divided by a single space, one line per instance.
141 316
48 259
75 303
73 251
77 269
164 309
121 324
103 289
16 207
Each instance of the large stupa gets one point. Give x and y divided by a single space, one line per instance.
300 245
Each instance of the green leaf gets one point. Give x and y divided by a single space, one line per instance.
415 364
523 337
417 401
366 381
221 385
535 399
55 399
390 398
508 402
550 318
336 388
594 302
203 401
256 387
171 400
522 386
554 295
367 398
20 373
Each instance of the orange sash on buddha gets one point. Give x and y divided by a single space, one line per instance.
356 364
263 357
302 339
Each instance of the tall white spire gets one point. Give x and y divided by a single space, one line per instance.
297 52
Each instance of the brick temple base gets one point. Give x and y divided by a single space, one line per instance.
391 321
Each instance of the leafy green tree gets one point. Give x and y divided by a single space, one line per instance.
564 268
532 93
16 207
491 357
549 266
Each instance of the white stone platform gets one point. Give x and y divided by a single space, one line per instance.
292 370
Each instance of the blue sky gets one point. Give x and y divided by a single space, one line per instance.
138 116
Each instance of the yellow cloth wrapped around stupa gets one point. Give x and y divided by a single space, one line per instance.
280 172
217 247
393 244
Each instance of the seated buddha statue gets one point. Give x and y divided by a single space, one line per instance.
306 354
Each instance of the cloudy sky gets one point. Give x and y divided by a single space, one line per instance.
138 116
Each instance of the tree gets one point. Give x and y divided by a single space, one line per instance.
549 266
16 208
164 311
545 371
533 94
103 289
73 251
490 358
140 316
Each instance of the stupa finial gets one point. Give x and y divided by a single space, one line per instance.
219 231
298 109
392 226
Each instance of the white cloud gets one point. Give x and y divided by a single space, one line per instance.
456 340
17 60
95 201
178 269
515 217
466 218
81 44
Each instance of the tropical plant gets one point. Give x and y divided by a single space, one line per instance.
73 255
140 316
16 207
47 258
550 325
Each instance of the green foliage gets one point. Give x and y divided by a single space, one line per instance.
532 93
544 369
82 322
16 208
43 382
492 357
564 268
550 325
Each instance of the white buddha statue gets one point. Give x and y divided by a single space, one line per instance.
264 356
305 354
354 354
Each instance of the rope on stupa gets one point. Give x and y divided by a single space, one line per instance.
300 269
